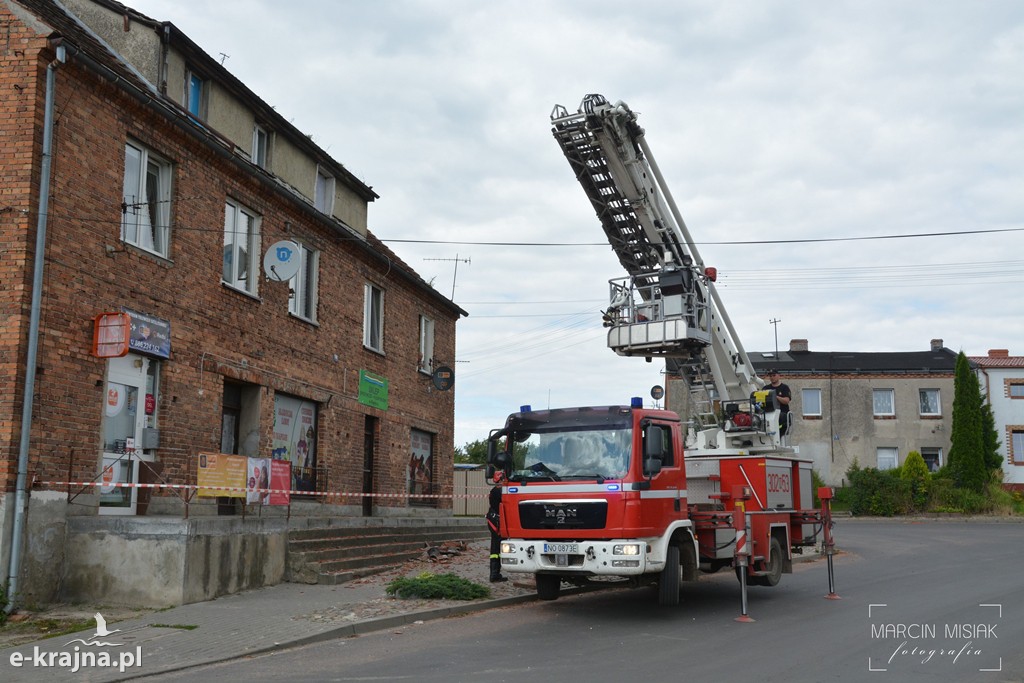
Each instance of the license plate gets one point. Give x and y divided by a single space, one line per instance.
562 548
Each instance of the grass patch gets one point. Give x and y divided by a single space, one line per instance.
437 586
181 627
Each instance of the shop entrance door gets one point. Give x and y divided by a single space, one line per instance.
129 407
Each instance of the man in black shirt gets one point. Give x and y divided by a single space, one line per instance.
783 395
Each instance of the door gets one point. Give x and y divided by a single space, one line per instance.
129 409
369 443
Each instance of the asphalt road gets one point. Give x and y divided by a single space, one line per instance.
926 601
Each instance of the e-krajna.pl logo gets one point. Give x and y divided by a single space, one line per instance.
82 656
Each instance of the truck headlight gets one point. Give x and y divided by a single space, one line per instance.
507 548
626 549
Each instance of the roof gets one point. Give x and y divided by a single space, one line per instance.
940 361
997 361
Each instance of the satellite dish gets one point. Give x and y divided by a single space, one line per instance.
443 378
282 260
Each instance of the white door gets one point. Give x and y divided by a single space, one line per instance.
129 405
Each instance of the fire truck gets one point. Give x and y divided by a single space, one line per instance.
641 495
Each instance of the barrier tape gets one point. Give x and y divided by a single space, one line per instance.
341 494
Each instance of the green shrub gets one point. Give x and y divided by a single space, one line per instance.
915 471
880 493
946 497
437 586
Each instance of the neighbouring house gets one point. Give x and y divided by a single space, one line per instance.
185 273
1002 382
872 408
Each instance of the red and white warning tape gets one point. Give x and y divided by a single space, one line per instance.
339 494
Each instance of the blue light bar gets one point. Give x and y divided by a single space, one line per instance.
636 402
525 409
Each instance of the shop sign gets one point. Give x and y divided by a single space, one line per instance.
373 390
110 334
149 335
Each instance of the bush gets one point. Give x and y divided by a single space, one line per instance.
916 473
439 586
946 497
880 493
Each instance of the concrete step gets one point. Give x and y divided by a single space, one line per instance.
382 537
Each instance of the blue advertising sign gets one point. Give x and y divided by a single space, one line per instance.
149 335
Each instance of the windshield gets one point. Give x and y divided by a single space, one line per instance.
592 454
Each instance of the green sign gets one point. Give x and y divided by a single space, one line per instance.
373 390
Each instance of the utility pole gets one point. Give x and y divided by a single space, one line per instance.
457 261
775 322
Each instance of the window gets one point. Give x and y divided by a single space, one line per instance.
932 458
664 434
884 401
195 91
323 199
888 458
810 402
426 344
1017 446
260 140
303 287
145 219
373 318
930 402
1016 391
241 247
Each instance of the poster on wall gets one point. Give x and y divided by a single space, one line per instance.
419 473
295 439
280 482
258 480
218 469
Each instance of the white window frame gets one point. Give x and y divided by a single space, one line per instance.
236 238
323 193
1017 446
260 145
805 410
876 394
146 215
196 108
373 317
887 452
937 452
426 363
302 289
922 402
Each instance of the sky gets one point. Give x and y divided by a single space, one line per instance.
854 170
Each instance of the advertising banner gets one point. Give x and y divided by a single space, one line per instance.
218 469
280 480
258 477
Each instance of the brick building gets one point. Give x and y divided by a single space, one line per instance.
140 179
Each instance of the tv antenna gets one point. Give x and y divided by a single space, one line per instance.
457 261
775 323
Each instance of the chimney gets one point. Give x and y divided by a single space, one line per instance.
999 353
937 345
798 345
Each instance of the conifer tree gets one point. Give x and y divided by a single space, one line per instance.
967 453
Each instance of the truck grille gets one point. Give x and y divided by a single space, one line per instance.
583 515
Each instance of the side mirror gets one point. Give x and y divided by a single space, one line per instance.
652 466
654 450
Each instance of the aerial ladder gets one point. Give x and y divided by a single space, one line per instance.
667 306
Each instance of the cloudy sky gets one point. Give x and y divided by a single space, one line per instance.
855 170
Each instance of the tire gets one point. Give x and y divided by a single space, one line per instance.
670 580
548 586
774 564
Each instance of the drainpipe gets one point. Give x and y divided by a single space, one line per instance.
21 486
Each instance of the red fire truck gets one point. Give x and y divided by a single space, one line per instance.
648 495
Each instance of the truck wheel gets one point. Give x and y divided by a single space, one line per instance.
548 586
774 565
669 582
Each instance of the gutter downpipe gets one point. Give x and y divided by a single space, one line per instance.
39 260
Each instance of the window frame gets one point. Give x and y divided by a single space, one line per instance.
250 283
373 317
938 403
426 344
323 192
804 393
1015 386
304 287
894 451
937 451
1016 445
158 217
260 146
193 105
875 393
